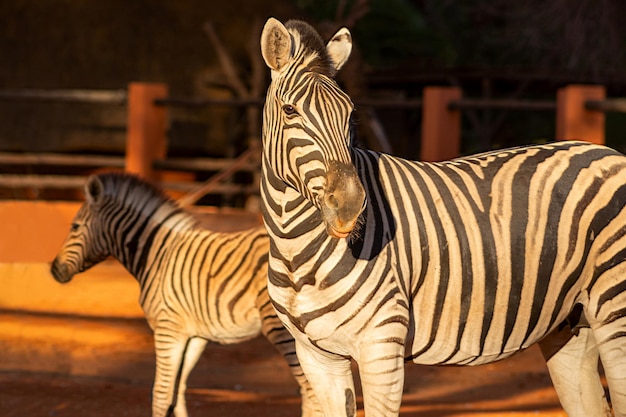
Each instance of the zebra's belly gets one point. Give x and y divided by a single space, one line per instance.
463 358
229 329
451 343
454 355
225 328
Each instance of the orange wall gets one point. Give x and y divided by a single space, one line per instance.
31 233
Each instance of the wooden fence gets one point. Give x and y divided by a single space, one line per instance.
579 113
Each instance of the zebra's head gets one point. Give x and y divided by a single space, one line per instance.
306 129
84 245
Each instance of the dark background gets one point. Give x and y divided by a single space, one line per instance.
491 48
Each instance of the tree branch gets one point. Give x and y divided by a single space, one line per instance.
226 62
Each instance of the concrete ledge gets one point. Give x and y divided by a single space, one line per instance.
106 290
75 346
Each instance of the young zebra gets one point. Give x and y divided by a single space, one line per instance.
382 260
196 285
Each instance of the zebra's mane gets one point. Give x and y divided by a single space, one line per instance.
314 45
135 193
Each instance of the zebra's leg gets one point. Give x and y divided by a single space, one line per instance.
611 337
573 365
194 350
331 378
273 329
170 350
381 368
605 310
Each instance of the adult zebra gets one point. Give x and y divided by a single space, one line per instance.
195 285
382 260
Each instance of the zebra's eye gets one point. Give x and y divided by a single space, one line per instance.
289 110
74 227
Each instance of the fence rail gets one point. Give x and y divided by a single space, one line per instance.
77 182
200 164
206 102
75 96
120 96
503 104
97 161
58 159
616 105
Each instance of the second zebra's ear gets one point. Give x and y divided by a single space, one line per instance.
94 190
275 44
340 47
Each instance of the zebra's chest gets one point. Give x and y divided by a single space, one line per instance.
335 307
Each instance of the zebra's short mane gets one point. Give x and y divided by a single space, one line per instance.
119 184
313 43
136 193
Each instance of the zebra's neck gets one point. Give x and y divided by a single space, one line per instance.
291 220
140 230
295 222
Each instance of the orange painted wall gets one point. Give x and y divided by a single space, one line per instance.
31 233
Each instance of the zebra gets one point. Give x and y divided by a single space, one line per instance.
196 285
380 260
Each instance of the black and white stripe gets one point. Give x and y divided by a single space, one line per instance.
460 262
195 285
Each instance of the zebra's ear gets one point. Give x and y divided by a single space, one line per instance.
340 47
275 44
94 190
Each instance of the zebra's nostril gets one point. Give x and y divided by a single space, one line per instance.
60 271
332 202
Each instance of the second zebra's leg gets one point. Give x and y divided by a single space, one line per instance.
273 329
330 376
194 350
170 349
573 365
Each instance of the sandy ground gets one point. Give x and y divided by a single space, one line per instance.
48 375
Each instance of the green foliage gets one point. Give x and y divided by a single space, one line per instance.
396 30
390 32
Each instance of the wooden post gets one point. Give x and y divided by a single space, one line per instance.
573 120
441 127
146 137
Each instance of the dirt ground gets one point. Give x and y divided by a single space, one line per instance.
242 380
463 394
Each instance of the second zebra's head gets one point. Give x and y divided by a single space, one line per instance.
306 126
84 245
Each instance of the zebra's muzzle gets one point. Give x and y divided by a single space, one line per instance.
343 199
60 272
